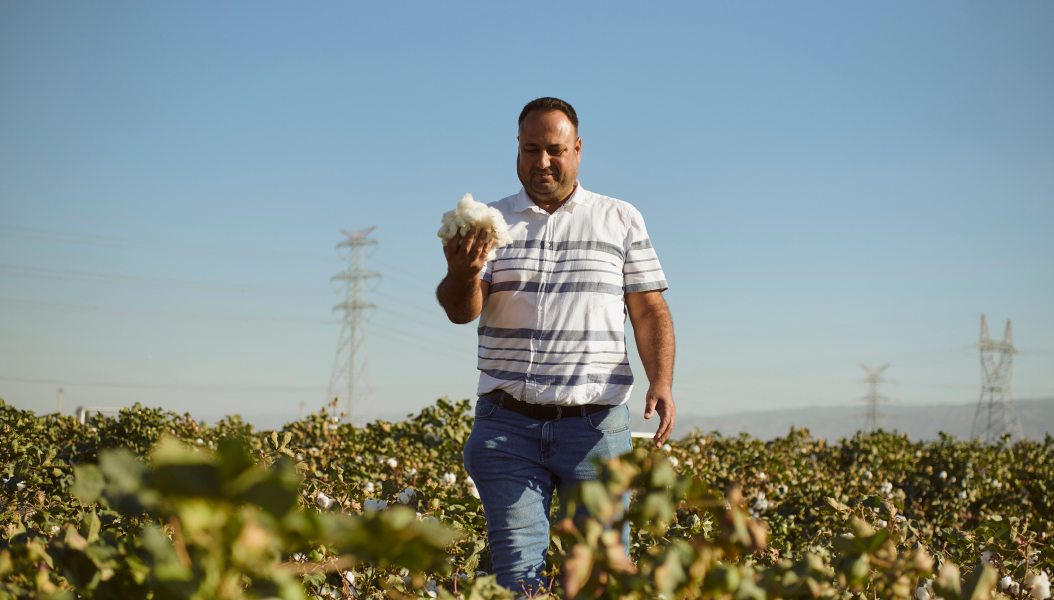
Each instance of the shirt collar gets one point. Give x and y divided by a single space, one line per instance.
579 197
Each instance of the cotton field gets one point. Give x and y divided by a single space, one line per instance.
152 504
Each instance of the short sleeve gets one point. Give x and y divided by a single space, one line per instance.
641 272
484 273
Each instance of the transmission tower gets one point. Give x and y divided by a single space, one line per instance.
350 380
874 377
996 412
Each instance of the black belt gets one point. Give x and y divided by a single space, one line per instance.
544 412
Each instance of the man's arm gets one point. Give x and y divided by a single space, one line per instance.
462 293
653 330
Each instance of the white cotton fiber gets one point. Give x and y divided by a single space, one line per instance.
470 213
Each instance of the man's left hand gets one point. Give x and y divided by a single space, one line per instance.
660 400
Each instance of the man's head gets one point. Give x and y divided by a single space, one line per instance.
549 149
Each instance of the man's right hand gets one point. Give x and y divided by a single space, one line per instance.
461 293
466 255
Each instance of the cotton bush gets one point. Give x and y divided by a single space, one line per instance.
470 213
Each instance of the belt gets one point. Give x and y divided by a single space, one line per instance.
544 412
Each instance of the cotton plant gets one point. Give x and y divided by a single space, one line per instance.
323 501
373 505
470 213
407 496
1008 586
925 590
448 480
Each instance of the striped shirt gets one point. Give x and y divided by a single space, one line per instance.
553 328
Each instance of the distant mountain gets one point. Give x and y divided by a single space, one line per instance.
921 422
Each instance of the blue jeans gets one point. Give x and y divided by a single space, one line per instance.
516 462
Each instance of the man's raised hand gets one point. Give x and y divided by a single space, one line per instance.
466 255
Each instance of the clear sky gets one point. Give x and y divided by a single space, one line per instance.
826 183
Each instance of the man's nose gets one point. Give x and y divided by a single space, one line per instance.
543 160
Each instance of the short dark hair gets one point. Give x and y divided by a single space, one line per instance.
549 105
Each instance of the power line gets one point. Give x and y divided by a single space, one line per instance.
351 363
998 416
156 282
149 313
440 347
81 239
874 377
165 386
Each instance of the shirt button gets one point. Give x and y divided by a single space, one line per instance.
549 245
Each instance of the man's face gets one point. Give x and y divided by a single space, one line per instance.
549 154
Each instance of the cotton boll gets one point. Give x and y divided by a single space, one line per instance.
407 496
961 495
431 519
472 488
1038 585
432 588
666 448
674 461
695 449
448 480
881 523
470 213
369 487
988 558
943 474
867 474
393 463
323 501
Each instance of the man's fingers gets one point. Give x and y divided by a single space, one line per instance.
468 241
649 406
481 242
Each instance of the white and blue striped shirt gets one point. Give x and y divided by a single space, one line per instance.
553 328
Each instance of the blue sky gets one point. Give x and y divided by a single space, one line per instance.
825 183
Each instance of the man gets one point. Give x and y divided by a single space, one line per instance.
554 374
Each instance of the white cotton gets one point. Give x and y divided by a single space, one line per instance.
407 496
695 449
369 487
1038 585
961 495
1005 583
323 501
762 476
666 448
881 523
674 461
988 558
448 480
781 489
432 588
431 519
372 505
472 488
470 213
393 463
867 474
886 488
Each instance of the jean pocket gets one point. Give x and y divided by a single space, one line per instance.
485 408
612 420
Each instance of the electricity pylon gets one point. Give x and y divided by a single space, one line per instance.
874 377
998 415
350 379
